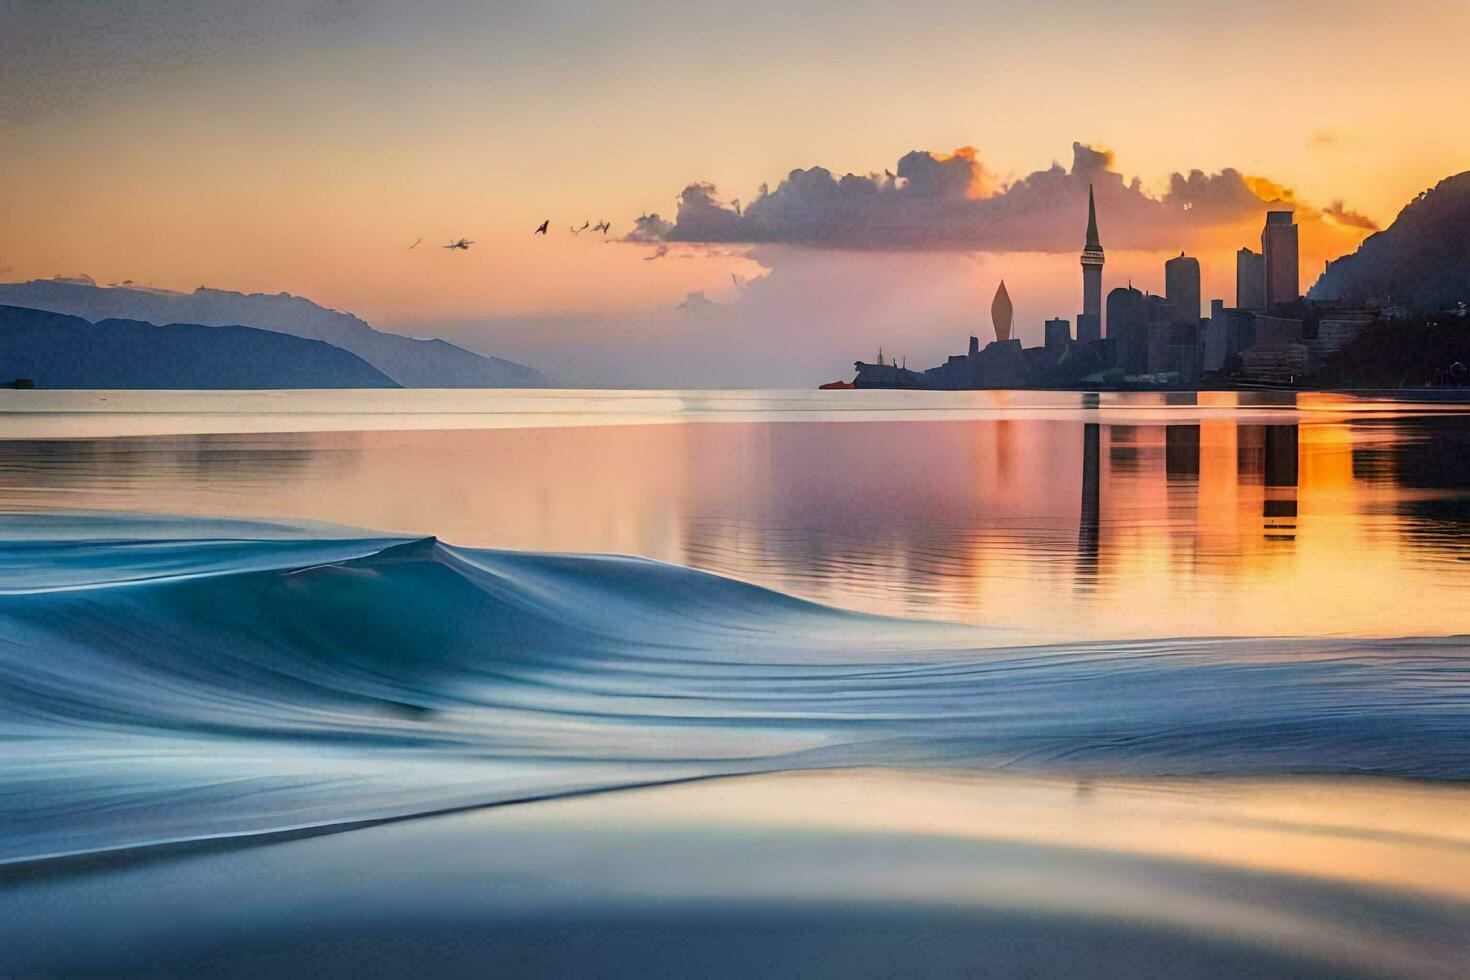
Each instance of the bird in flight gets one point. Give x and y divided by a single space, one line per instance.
542 230
585 226
414 245
602 226
462 244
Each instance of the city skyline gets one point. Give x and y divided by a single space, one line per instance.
233 162
1153 341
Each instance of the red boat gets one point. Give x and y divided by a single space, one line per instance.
836 386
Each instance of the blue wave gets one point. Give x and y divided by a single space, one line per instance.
178 680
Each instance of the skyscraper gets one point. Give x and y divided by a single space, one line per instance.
1250 280
1089 321
1279 247
1181 288
1159 315
1000 313
1128 329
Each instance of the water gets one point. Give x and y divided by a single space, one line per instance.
1222 615
1148 516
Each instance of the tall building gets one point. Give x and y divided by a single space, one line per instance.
1128 329
1089 321
1215 337
1000 313
1279 248
1058 333
1181 288
1158 314
1250 280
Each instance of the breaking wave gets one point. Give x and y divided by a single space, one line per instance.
177 680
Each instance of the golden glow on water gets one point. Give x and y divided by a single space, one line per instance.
1279 863
1387 833
1147 516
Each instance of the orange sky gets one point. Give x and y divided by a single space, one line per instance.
270 147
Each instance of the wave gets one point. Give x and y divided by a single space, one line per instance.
178 680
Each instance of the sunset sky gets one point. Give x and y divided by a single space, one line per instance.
301 148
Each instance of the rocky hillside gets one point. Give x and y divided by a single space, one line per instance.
1420 262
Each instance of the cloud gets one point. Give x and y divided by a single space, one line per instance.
1339 215
1090 160
649 228
939 202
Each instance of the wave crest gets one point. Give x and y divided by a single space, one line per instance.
161 684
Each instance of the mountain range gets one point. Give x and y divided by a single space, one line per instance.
1420 262
59 351
406 361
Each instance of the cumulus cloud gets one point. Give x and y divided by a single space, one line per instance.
938 202
649 228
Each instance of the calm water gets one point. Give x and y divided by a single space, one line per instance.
1201 708
1135 515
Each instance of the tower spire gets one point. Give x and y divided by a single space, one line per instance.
1092 240
1089 321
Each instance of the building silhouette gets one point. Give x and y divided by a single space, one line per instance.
1158 314
1279 252
1215 340
1250 280
1001 313
1089 321
1181 288
1058 334
1128 329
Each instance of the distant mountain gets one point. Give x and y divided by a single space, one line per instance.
1421 261
59 351
411 363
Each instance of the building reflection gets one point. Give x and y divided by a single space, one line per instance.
1052 525
1181 453
1281 469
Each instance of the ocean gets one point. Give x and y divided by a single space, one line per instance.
580 682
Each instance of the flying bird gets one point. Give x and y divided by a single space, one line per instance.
414 245
542 230
463 245
602 226
585 226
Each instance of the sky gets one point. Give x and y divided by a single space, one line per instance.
302 147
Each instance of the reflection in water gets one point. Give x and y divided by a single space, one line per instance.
1087 532
1217 524
1281 482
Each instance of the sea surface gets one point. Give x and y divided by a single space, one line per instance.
780 682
